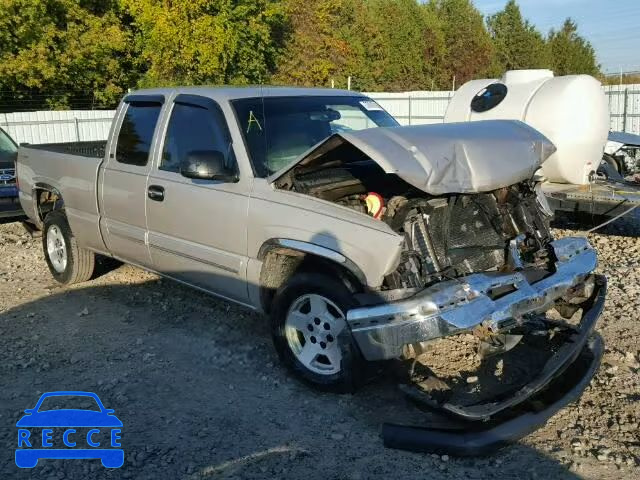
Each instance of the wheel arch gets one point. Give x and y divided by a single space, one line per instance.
282 258
46 198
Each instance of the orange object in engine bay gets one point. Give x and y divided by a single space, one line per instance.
375 204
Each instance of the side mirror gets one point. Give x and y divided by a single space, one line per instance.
29 411
109 411
207 165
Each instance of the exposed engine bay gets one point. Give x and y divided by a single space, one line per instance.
444 236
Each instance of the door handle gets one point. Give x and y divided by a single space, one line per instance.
156 192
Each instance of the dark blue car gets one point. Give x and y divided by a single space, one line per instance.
9 202
47 415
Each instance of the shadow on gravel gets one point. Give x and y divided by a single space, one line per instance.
201 394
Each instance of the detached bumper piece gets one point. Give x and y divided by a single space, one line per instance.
483 428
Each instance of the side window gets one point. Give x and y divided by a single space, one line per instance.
136 133
194 128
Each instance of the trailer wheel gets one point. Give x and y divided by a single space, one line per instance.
67 262
609 159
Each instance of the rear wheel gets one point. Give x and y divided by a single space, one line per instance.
311 335
67 262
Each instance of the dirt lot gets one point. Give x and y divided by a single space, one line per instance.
201 393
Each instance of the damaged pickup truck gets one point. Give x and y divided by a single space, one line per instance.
364 241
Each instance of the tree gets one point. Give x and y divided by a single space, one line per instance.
206 41
403 46
382 44
469 50
518 44
61 53
570 53
317 47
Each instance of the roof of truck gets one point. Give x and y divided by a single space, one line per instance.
233 93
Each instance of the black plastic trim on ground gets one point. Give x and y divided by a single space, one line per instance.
471 443
555 367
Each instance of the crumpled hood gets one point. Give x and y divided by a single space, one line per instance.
467 157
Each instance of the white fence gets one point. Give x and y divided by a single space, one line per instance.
415 108
57 126
410 108
624 107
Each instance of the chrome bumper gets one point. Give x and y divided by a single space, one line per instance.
454 306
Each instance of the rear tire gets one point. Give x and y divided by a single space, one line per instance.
310 333
67 262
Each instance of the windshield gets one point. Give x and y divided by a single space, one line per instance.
277 130
8 150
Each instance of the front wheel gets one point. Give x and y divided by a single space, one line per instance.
67 262
311 335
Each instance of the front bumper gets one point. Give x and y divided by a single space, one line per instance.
10 209
459 305
481 429
9 203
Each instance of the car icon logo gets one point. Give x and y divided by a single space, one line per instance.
48 431
5 177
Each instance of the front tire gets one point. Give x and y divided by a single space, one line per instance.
310 332
67 262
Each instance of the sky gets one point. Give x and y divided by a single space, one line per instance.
612 26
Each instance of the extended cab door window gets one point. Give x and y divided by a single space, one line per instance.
124 180
136 133
195 127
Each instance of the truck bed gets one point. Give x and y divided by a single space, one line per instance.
84 149
71 169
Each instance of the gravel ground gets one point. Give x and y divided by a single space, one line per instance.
201 394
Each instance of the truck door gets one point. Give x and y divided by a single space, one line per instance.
124 179
197 228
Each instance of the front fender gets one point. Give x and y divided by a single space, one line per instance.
367 247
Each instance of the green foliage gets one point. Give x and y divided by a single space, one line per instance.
205 41
317 43
381 44
403 45
469 50
518 44
82 53
56 53
570 52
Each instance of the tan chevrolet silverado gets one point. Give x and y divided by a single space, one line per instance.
363 241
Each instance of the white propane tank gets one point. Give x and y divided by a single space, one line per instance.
571 111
